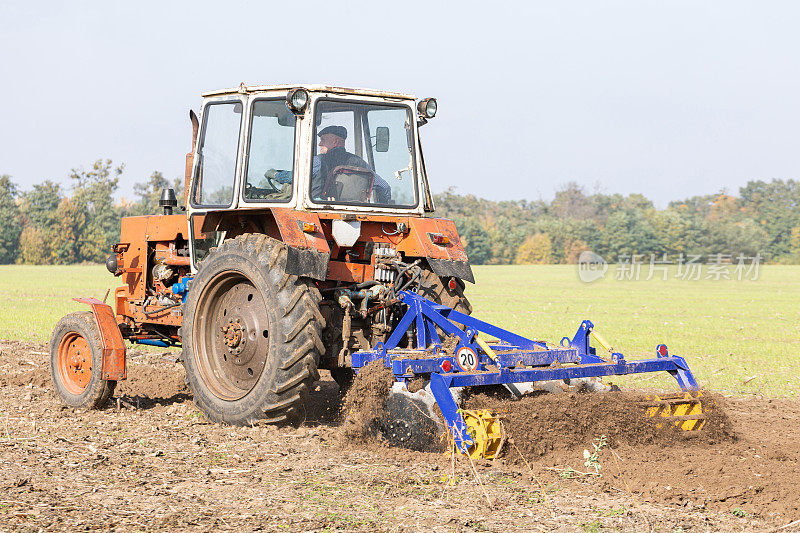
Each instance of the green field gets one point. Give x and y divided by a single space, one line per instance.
738 336
729 331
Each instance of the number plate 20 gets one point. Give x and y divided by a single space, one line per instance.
467 359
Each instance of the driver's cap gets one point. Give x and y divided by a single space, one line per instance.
339 131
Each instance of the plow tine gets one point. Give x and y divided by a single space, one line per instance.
683 411
668 402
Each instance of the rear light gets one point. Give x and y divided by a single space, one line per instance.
309 227
447 366
452 284
438 238
662 350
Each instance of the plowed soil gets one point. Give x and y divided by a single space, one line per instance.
150 461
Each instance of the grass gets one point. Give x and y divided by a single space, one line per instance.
738 336
728 330
36 297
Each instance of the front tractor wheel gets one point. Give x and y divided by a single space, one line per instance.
75 361
251 334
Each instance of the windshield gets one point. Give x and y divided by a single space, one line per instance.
363 155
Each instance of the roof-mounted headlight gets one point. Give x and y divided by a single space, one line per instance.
297 101
427 108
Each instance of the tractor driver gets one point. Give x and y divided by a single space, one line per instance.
332 154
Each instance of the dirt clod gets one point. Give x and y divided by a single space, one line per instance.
545 423
365 401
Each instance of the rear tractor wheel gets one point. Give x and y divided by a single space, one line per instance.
252 334
75 360
443 292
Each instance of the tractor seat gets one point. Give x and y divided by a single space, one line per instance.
350 184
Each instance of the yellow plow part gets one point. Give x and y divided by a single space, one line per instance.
486 431
683 410
486 348
602 341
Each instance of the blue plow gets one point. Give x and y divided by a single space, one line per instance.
466 360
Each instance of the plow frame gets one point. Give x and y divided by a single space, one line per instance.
513 359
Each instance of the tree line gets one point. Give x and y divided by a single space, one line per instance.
48 226
762 221
51 224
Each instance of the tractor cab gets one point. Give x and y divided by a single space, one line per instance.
315 148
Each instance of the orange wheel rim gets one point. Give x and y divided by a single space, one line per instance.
74 362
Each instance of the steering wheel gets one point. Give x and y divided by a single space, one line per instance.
257 193
276 188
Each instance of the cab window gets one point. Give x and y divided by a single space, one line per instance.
217 153
202 242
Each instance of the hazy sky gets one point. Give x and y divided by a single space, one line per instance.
668 99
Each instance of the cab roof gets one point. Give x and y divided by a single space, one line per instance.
247 89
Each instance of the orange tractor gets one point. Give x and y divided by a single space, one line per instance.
307 213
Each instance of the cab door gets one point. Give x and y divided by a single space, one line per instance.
218 155
217 168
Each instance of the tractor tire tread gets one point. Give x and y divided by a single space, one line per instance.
296 295
434 288
299 326
292 382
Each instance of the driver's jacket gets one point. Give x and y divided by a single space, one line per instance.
323 165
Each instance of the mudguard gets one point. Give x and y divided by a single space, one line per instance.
446 260
113 367
309 252
447 268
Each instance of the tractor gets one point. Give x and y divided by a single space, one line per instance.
305 240
281 260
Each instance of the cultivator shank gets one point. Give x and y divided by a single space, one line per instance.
511 359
